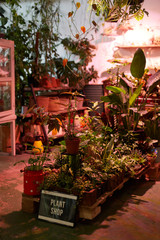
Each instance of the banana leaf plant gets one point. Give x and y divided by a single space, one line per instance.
122 101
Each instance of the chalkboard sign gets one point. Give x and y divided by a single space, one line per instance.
57 207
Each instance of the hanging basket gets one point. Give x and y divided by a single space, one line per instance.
72 145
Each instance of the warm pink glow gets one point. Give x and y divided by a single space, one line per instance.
138 37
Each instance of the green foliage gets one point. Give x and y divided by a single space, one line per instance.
76 71
118 10
122 99
122 103
152 124
138 64
104 154
35 41
17 32
124 163
67 124
35 162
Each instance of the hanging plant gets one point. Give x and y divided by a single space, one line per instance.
118 10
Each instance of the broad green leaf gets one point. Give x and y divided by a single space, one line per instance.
105 98
112 99
138 64
116 89
153 81
126 83
135 95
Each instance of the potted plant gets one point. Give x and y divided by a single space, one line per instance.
151 157
77 74
71 139
123 98
35 38
33 174
68 125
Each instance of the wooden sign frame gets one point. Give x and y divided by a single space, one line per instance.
57 207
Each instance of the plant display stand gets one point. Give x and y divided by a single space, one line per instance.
91 211
90 206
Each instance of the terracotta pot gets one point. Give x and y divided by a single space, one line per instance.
43 102
58 82
46 82
54 82
72 145
32 182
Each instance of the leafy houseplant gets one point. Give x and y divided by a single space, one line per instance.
152 124
71 140
44 39
123 99
35 163
68 125
35 37
15 29
33 174
103 171
76 71
118 10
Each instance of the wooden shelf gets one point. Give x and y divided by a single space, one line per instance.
28 115
143 46
57 136
65 111
47 92
36 89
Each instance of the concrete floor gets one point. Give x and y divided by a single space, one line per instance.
133 213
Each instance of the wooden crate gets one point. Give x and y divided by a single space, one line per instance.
30 204
90 212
